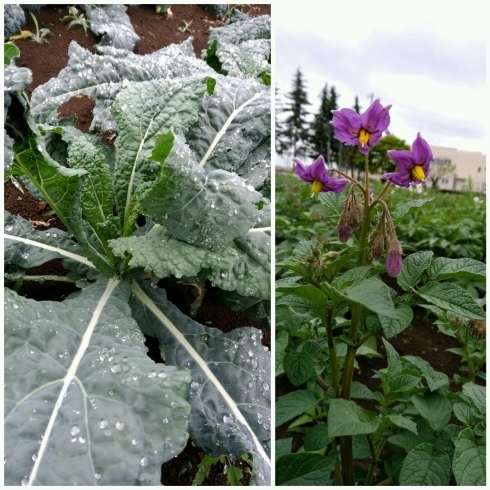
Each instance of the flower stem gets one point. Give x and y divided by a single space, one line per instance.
346 441
354 181
332 354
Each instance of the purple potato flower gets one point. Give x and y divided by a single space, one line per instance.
318 175
413 166
364 130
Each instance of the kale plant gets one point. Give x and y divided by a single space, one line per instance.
179 196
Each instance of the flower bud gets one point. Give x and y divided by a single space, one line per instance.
378 246
394 258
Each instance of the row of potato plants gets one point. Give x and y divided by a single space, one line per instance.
333 305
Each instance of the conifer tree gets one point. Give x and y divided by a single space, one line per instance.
322 140
295 132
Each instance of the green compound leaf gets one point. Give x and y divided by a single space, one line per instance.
424 465
299 367
282 339
435 379
374 294
434 408
465 413
345 418
443 268
317 438
283 446
477 395
402 210
453 298
392 327
309 292
413 267
304 469
469 459
402 422
293 404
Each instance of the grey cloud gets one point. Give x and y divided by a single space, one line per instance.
413 53
426 121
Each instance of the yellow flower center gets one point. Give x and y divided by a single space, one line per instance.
363 137
418 173
316 187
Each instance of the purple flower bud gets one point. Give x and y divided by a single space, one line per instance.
393 263
344 232
378 246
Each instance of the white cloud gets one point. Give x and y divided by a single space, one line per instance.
428 61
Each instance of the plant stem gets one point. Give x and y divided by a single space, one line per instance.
338 473
332 354
374 462
346 441
354 181
48 277
322 383
364 339
471 370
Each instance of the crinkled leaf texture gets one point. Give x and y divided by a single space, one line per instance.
113 24
102 76
15 80
27 247
234 129
84 404
164 256
230 389
242 30
248 59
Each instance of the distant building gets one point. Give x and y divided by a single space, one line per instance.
466 169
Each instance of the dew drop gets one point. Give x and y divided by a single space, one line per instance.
98 476
144 461
119 425
25 481
75 430
81 439
195 385
34 457
103 423
116 368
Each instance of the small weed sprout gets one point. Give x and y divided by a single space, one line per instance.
76 19
185 27
38 37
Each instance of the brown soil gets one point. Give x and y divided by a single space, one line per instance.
45 61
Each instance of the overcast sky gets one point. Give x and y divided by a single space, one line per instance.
427 59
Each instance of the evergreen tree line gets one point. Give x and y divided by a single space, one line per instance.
300 136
